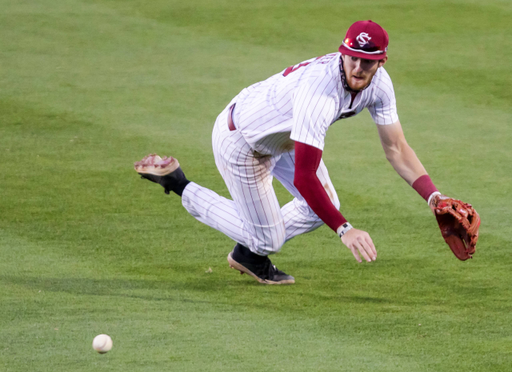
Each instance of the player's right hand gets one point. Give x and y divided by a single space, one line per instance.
360 243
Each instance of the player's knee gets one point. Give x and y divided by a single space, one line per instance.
336 202
270 240
333 196
279 241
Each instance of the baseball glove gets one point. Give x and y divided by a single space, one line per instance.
459 224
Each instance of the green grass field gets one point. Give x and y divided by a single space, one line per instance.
87 87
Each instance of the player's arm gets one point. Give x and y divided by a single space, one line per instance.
404 160
458 221
307 160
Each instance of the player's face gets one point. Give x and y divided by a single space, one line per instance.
359 72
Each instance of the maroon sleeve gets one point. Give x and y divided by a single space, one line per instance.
307 160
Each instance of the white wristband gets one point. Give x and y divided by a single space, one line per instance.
343 229
432 195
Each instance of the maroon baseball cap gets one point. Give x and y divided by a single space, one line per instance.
365 39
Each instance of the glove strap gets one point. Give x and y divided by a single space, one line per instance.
343 229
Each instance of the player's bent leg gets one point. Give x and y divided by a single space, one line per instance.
299 218
249 181
221 214
252 218
215 211
266 239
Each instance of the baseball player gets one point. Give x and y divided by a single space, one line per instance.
276 128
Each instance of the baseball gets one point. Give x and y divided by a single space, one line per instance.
102 343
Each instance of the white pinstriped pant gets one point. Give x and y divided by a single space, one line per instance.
253 218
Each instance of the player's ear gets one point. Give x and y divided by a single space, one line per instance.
383 61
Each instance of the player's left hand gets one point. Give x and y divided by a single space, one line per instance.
360 243
459 224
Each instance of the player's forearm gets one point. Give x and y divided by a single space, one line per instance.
406 163
409 167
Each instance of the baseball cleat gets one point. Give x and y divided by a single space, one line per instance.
264 272
165 171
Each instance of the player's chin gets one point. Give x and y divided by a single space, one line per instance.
358 84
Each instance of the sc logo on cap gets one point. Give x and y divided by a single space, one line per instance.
363 38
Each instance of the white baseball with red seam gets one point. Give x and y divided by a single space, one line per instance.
102 343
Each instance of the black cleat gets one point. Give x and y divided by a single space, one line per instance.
259 267
165 171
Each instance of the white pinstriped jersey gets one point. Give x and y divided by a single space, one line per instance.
301 102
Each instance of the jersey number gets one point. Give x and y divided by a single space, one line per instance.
290 69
